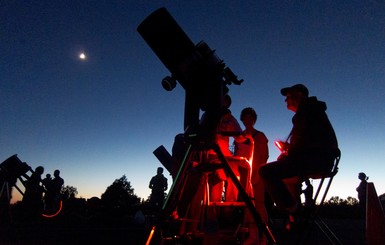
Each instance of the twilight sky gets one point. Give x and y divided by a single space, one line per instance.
99 118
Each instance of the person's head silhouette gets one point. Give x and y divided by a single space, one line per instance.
39 170
56 173
362 176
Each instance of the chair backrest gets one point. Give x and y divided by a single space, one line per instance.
324 176
332 172
336 162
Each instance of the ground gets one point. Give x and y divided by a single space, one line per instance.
349 231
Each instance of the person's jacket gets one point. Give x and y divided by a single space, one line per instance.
312 129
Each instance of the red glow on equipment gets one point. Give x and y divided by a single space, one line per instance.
53 215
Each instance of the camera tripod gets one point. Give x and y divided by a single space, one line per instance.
189 195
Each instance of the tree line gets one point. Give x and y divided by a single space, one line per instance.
119 201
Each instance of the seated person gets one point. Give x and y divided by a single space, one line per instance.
311 149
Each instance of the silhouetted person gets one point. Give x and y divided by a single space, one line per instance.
57 183
158 185
46 181
255 148
308 193
49 195
311 149
361 191
33 195
53 186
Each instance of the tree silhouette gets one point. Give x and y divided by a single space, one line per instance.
335 200
119 198
351 201
337 207
68 191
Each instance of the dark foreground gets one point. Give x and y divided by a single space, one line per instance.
74 234
349 231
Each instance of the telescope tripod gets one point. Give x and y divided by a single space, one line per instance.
188 200
5 197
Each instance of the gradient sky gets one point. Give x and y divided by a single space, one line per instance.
101 118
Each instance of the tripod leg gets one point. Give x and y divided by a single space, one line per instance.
175 192
5 211
173 200
2 189
226 166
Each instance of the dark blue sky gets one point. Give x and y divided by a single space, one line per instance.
100 118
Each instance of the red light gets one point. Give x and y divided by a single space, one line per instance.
53 215
280 145
150 236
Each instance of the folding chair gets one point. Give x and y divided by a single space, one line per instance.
310 216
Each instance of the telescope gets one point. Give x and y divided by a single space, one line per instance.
13 168
197 68
204 77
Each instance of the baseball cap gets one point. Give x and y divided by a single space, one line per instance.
298 88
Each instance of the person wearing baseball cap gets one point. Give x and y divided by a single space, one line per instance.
310 149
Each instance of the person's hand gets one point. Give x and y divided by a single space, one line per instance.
248 136
282 156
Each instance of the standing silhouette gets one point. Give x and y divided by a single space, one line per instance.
53 186
33 195
361 190
46 181
308 193
158 185
57 183
259 152
255 148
